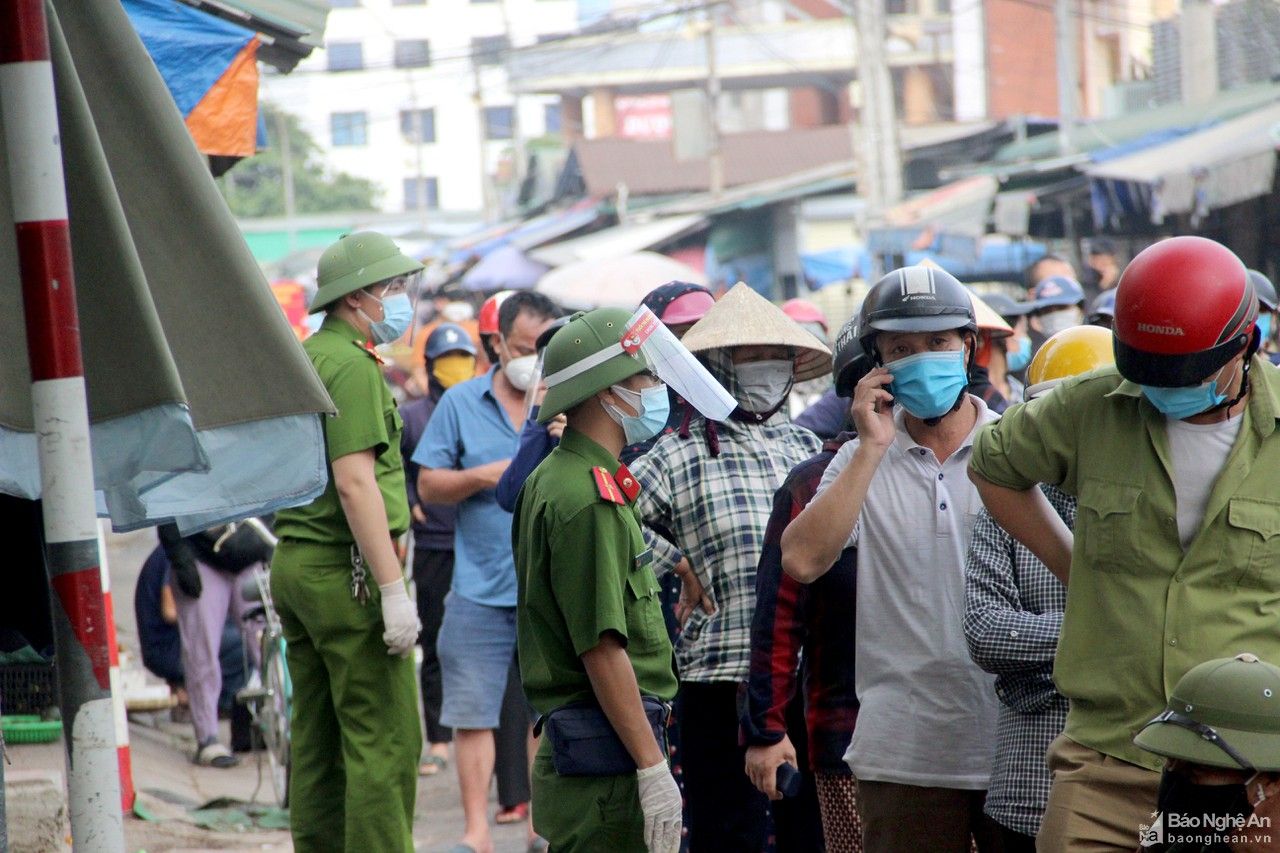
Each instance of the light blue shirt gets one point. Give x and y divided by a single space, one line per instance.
470 428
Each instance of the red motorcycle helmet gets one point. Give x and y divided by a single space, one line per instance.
488 319
1184 308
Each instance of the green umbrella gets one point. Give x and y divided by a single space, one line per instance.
203 405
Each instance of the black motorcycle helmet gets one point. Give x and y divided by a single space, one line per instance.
914 299
1265 289
849 362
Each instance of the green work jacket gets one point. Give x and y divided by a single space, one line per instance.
367 419
583 570
1141 611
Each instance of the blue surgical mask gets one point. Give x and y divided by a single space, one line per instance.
651 404
1264 326
1018 359
928 384
1180 403
397 315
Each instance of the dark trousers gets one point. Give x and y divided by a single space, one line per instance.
910 818
432 575
724 811
797 822
1016 842
511 744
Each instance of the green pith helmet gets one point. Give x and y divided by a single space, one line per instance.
355 261
585 336
1223 713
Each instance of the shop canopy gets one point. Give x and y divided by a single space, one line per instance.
202 405
1213 168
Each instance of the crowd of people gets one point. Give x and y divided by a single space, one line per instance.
1008 581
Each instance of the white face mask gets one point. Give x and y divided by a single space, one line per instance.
763 384
519 371
1052 322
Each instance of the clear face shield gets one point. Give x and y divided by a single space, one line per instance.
676 366
537 388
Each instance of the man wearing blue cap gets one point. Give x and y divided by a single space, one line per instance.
1059 304
449 358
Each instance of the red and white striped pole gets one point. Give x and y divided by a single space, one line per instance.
82 631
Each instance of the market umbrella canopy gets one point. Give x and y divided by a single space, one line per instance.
743 317
507 268
202 404
614 282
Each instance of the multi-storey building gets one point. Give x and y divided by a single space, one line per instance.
414 95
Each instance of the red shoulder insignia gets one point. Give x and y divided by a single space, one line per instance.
368 346
606 486
630 485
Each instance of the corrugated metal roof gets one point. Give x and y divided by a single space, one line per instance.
290 29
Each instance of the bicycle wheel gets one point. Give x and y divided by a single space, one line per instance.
273 715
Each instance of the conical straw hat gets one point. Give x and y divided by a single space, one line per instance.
743 317
988 320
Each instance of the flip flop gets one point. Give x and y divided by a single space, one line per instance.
432 764
518 813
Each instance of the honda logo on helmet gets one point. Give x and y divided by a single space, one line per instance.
1161 330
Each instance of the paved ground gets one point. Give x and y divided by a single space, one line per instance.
164 774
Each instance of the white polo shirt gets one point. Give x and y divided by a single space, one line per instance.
928 713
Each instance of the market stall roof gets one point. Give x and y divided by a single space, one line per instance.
175 315
1108 133
289 29
962 206
619 240
1212 168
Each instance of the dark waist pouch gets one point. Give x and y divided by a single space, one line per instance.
583 743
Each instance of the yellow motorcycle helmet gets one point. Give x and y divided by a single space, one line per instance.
1069 353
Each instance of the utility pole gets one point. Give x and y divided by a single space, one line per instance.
286 177
517 138
715 155
880 178
1068 67
486 191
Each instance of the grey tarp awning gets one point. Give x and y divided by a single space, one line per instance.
619 240
202 403
1212 168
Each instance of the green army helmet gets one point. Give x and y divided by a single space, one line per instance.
1222 713
356 261
584 358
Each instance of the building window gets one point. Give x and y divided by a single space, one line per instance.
412 53
418 126
499 122
489 50
900 7
421 194
551 118
345 55
344 4
349 128
942 7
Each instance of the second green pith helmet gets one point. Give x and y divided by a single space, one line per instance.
575 365
1222 713
357 261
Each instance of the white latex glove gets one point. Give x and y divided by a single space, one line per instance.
660 802
400 618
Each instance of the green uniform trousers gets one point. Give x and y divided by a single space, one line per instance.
586 814
356 736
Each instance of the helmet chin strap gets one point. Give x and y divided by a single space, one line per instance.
1255 341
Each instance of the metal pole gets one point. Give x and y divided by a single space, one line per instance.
486 191
81 624
286 178
715 156
879 121
1065 31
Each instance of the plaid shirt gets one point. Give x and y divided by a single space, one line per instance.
713 508
1013 614
802 633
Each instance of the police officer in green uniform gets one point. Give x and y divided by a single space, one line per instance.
590 631
1220 737
338 584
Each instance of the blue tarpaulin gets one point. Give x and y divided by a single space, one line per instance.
833 265
191 50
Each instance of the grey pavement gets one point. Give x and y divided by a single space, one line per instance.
164 774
